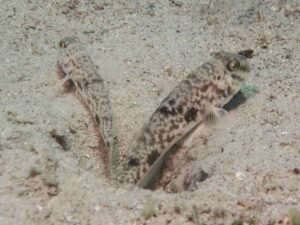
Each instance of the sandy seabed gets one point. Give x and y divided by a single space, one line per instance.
143 49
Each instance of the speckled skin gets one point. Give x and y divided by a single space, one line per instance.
195 100
77 69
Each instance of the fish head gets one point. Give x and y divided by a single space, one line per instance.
67 61
68 40
235 71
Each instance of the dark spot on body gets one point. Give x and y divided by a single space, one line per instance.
192 76
179 109
161 131
191 114
229 90
221 92
152 157
174 127
167 112
170 138
138 176
172 102
237 77
197 102
97 118
144 169
133 161
187 82
204 88
180 120
147 130
211 99
164 110
184 103
179 134
161 141
79 85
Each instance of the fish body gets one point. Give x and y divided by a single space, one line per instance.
76 66
194 101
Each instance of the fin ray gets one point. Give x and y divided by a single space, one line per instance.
214 115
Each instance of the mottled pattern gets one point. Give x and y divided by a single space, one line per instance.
192 102
76 67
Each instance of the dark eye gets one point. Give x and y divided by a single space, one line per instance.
62 44
233 65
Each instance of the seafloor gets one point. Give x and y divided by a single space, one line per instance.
143 49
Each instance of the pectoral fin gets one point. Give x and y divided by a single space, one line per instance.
214 115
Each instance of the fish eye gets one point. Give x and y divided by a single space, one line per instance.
233 65
62 44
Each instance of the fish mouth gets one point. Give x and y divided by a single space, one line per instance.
245 67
